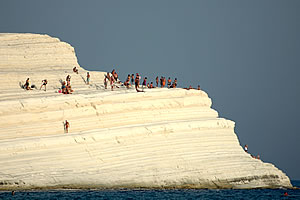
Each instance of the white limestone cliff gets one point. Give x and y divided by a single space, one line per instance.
163 138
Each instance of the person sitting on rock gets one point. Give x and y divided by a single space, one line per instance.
151 85
128 78
44 83
69 88
75 70
175 82
173 85
246 148
27 85
127 82
64 88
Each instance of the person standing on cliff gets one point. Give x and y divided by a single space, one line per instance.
169 82
144 82
132 79
106 80
137 82
156 81
87 78
67 125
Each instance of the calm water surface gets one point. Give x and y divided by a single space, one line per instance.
154 194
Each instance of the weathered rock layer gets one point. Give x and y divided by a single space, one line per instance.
163 138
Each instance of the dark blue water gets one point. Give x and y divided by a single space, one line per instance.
154 194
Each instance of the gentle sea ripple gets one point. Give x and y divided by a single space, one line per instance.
154 194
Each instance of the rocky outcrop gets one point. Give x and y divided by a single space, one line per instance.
163 138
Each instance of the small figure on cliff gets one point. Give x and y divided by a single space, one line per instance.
75 70
27 85
175 82
246 148
127 82
137 82
156 81
162 81
68 78
63 88
258 157
132 79
106 80
144 82
199 87
67 125
169 82
151 85
173 85
66 89
88 78
112 80
44 83
69 88
115 75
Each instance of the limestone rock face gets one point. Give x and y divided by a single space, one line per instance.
162 138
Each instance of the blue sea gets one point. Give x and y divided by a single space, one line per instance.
155 194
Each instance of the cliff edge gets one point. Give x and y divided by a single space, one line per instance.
162 138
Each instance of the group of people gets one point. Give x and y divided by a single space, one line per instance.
27 85
66 86
112 78
163 82
246 150
189 88
135 80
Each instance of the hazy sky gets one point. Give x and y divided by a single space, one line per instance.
244 54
